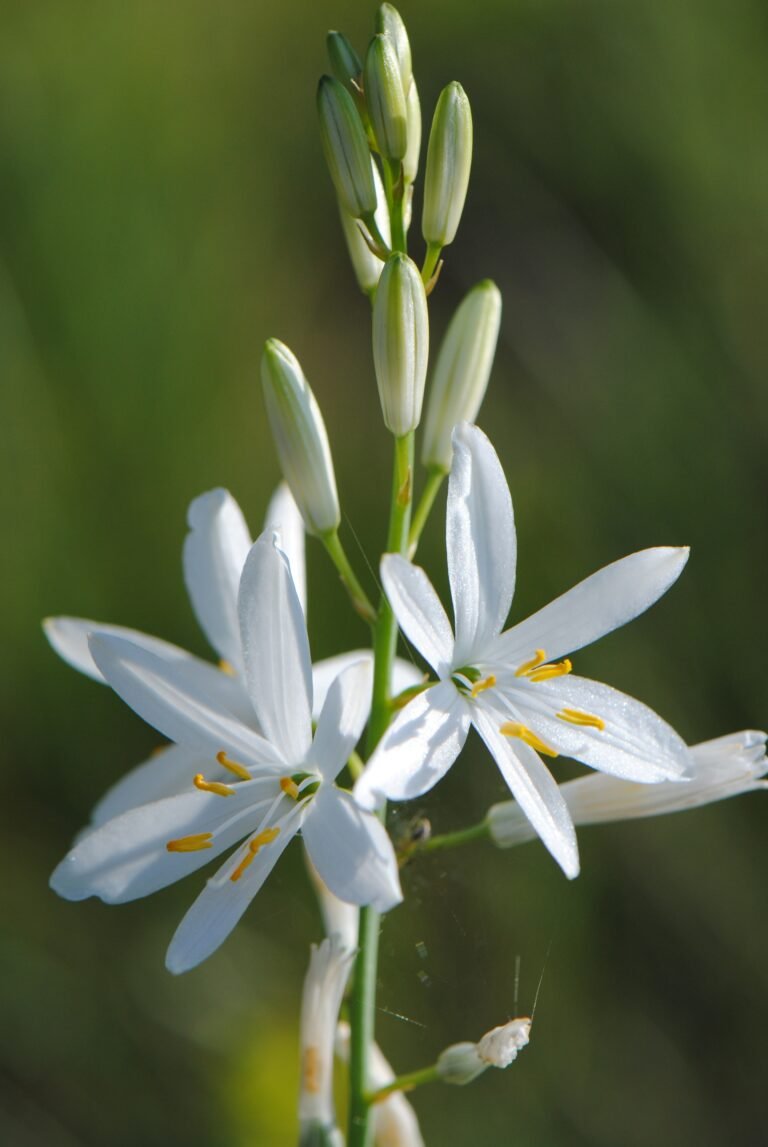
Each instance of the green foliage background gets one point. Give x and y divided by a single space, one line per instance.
163 209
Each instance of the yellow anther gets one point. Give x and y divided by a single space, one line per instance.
534 663
575 717
311 1069
289 787
513 729
264 837
227 667
212 786
239 770
480 686
545 672
194 843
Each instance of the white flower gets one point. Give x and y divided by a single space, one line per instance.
393 1120
340 919
462 1062
721 768
522 701
280 779
215 550
324 984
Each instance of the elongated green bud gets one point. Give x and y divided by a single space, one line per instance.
299 434
346 148
346 65
449 158
400 343
390 23
385 98
462 371
367 266
413 117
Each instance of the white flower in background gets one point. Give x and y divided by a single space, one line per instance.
324 984
510 686
463 1062
280 779
393 1120
340 919
721 768
214 553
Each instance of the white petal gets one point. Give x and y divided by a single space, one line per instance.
534 789
481 543
127 857
325 672
182 699
164 774
276 650
417 749
69 637
283 515
342 719
214 554
636 744
418 610
351 850
609 598
220 905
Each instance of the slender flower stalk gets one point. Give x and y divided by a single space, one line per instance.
392 1118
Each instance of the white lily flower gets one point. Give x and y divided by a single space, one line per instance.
721 768
214 554
324 984
340 919
285 774
393 1120
522 701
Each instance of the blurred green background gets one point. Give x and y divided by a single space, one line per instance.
163 209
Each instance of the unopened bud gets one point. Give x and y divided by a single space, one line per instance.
390 23
400 343
413 117
367 266
346 148
346 65
385 98
449 159
463 1062
299 434
462 371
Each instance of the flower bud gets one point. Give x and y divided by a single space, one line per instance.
461 374
385 98
413 117
449 159
460 1063
400 343
345 62
326 978
300 438
463 1062
367 266
346 148
390 23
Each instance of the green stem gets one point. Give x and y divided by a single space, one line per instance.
456 839
431 259
363 1001
394 187
435 476
357 594
405 1083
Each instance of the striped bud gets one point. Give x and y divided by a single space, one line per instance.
367 266
413 116
345 62
400 343
385 98
449 159
346 148
390 23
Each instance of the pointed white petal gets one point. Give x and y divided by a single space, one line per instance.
181 699
417 749
284 517
214 554
481 543
166 773
325 672
127 857
351 850
69 637
342 719
418 610
635 744
533 787
276 650
220 905
609 598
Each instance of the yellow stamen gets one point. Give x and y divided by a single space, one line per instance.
289 787
227 667
574 717
193 843
264 837
212 786
534 663
311 1069
480 686
513 729
227 763
556 669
